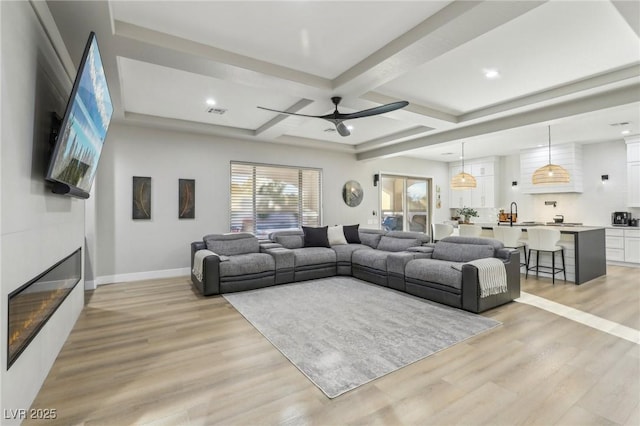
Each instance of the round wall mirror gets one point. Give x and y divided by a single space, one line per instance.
352 193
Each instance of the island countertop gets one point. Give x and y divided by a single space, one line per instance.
565 229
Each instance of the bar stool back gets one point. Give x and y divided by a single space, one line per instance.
511 238
441 230
545 240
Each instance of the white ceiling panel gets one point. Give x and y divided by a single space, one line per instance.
165 92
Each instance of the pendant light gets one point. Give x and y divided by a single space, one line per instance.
463 180
550 173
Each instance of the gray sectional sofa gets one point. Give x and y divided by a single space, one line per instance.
405 261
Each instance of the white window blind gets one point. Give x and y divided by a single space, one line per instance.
265 198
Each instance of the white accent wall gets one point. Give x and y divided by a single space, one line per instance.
136 249
37 228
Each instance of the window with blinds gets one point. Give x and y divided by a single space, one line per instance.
265 198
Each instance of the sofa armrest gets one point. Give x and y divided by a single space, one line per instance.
210 283
427 250
471 300
268 245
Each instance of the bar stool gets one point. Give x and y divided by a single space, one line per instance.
441 230
511 238
545 240
470 230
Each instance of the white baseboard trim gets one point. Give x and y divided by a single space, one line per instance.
90 285
140 276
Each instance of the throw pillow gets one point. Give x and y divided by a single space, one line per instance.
351 234
315 237
336 235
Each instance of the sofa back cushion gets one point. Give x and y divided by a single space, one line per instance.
370 237
288 239
232 244
388 243
461 252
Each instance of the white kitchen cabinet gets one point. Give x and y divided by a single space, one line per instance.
632 245
633 171
633 184
483 196
622 245
614 245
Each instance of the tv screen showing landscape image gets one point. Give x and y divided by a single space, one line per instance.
84 127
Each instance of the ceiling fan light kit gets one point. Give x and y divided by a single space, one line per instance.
463 180
550 173
337 118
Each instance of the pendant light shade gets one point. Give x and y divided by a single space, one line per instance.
463 180
550 173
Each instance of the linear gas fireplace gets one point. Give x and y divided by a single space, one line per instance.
31 305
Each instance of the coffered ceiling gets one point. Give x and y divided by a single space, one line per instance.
574 65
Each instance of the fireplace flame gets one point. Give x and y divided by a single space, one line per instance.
35 316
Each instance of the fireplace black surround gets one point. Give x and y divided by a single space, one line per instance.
32 304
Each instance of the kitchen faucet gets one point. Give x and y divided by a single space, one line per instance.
511 212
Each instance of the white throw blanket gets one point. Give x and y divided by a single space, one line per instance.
492 276
198 260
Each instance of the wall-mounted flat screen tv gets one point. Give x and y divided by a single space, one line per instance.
83 129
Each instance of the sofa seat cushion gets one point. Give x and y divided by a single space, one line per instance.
373 259
344 252
309 256
436 271
247 264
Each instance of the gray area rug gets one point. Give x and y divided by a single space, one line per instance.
341 332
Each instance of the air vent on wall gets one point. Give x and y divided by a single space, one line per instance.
624 123
218 111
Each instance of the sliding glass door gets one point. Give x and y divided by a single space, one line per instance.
405 203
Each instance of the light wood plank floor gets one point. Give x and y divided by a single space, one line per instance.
156 353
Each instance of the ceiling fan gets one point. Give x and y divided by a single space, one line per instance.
337 118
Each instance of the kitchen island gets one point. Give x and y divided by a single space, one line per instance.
584 250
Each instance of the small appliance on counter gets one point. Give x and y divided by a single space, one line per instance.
633 222
620 218
558 218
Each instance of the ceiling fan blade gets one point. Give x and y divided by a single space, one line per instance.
342 129
290 113
375 110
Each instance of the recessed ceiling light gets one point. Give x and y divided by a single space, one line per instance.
491 73
625 132
211 102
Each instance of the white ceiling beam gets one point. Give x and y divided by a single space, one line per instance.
630 11
622 96
556 92
278 119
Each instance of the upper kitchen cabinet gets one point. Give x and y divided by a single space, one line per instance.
568 156
483 196
633 171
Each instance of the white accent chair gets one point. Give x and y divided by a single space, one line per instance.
441 230
511 238
545 240
470 230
